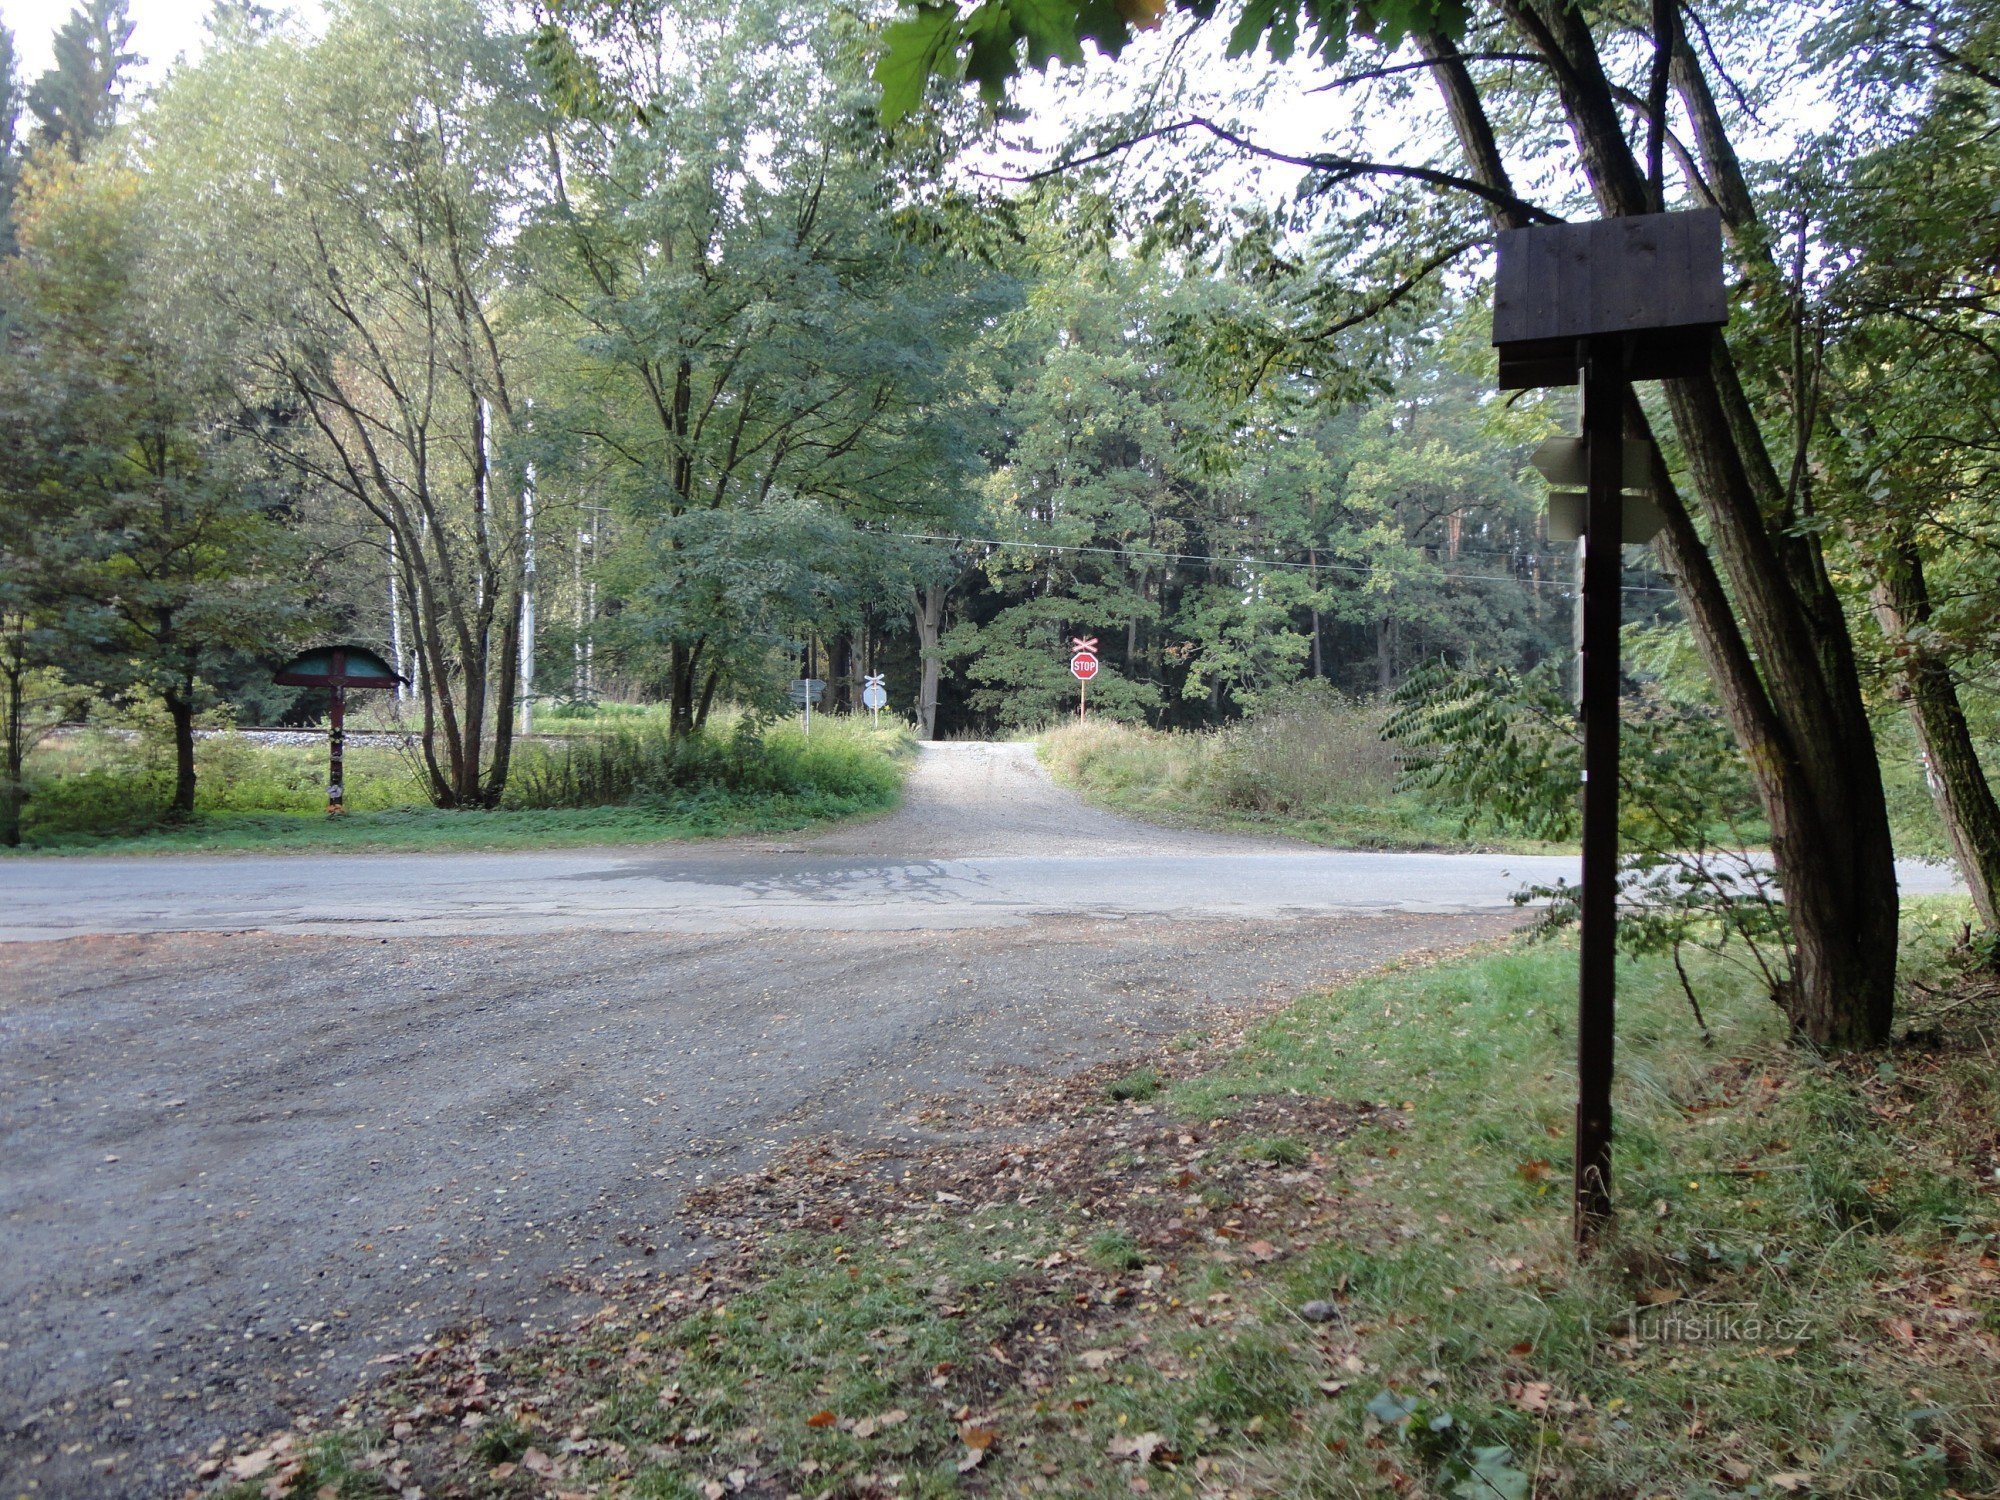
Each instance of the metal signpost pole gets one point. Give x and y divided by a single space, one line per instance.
1604 441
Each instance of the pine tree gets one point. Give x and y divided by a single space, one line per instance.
76 101
10 122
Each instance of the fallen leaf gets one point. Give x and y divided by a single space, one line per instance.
892 1418
865 1428
978 1437
973 1458
1262 1250
1097 1359
537 1462
1660 1296
503 1471
1791 1481
821 1419
1533 1170
1140 1445
1530 1395
250 1465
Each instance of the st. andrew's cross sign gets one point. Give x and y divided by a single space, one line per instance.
336 669
1603 304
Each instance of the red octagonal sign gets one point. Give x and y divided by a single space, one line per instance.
1083 665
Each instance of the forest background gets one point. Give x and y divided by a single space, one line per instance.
615 355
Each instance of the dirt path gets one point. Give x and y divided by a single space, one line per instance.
242 1166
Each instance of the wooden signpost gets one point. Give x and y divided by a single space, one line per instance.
337 668
1600 305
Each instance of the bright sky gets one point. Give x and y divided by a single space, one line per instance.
165 28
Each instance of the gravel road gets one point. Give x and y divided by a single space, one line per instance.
252 1146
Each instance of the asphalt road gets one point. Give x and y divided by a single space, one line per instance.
265 1119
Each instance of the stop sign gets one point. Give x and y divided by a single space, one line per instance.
1083 665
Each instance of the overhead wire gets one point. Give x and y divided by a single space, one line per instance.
1368 570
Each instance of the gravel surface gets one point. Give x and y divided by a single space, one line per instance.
243 1165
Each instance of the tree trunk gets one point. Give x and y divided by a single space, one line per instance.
1385 656
180 709
684 665
840 674
1958 782
929 619
11 789
706 700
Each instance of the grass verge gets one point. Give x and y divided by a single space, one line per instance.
1328 1258
1320 776
618 787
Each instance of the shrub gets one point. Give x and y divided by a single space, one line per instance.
1308 747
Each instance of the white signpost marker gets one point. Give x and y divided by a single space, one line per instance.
875 696
1083 667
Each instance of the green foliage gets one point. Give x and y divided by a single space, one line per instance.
1498 747
76 101
989 42
1491 746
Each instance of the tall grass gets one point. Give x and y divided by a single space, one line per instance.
841 760
1314 764
616 776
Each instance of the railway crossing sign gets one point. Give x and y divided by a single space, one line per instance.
875 694
1083 667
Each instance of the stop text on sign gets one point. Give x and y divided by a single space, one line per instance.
1083 665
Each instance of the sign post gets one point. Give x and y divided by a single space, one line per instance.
337 668
1083 667
875 695
806 691
1600 305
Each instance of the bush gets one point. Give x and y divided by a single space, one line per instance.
100 799
1307 747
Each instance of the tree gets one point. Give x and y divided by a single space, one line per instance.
10 135
75 103
152 545
1901 373
348 204
768 358
1774 635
